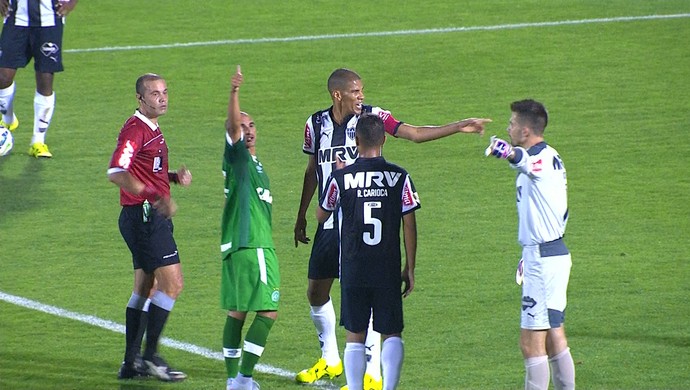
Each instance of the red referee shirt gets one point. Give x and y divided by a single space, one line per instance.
141 150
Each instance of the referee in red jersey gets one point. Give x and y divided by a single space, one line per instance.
139 166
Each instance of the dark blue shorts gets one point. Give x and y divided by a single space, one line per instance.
324 262
44 44
151 243
358 303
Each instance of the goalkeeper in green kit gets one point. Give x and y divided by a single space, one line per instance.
250 279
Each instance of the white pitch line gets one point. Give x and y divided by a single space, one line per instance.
119 328
250 41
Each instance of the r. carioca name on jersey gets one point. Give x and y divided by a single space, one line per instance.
380 180
330 155
372 192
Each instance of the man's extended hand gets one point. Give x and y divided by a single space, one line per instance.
64 7
4 7
473 125
184 176
237 79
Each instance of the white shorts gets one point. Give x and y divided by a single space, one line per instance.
544 288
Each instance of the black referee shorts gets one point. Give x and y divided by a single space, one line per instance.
44 44
151 243
324 262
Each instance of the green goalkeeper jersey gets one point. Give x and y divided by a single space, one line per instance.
248 202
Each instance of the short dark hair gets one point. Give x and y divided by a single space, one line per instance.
370 130
339 79
143 79
531 113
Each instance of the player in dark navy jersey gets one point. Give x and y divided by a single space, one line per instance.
328 135
372 197
139 166
32 29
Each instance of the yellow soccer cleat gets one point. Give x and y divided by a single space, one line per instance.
319 370
39 149
12 126
369 383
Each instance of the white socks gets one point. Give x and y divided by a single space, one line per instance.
43 113
392 355
324 321
563 371
537 373
355 365
6 99
373 351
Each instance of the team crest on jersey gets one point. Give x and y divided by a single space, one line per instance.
350 132
275 296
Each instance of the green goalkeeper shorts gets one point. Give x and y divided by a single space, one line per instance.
250 280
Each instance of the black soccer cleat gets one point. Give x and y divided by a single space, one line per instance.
158 368
134 370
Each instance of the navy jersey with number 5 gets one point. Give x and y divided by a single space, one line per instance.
371 196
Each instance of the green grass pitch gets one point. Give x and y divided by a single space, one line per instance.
614 76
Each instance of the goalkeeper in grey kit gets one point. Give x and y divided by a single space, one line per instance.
542 204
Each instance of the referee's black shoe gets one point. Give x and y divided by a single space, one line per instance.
134 370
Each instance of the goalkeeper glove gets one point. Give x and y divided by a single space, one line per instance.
520 272
498 148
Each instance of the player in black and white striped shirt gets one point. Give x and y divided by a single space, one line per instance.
329 135
32 29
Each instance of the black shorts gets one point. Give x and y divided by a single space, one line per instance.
358 303
151 243
324 262
44 44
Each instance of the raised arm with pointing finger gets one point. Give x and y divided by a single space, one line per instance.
250 279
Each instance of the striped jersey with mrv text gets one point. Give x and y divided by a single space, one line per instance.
327 140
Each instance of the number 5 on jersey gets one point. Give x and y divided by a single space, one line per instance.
369 237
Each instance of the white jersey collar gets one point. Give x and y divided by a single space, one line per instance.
146 120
